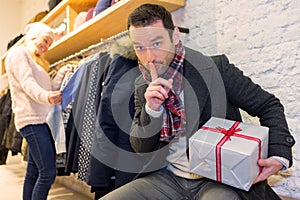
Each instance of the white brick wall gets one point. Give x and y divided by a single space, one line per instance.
261 37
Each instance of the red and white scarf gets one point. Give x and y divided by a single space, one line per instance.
174 119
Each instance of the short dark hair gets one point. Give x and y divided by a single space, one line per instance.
147 14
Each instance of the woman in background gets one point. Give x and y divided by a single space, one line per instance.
33 94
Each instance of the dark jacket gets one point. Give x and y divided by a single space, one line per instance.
112 155
214 87
5 116
112 121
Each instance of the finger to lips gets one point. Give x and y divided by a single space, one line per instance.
153 71
167 84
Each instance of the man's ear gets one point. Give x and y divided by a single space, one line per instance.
176 35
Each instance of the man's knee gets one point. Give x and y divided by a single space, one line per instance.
217 191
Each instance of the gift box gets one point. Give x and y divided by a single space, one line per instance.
227 151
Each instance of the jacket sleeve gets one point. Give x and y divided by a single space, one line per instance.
244 93
144 133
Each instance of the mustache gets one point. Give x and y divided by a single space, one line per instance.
155 63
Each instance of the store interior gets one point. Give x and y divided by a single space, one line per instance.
85 33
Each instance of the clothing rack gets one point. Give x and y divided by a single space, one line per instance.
95 48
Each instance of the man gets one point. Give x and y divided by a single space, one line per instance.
178 91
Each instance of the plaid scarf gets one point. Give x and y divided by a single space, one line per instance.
174 120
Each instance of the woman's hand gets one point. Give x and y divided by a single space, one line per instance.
54 97
68 68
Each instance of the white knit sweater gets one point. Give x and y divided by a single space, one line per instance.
29 85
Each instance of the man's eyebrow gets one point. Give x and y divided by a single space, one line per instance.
133 42
153 40
156 38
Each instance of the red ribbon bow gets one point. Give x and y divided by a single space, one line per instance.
230 132
227 134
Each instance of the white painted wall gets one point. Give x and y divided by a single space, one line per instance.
9 22
262 38
30 8
14 15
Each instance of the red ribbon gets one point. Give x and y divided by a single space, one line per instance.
227 134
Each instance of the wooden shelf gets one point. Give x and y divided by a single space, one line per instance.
80 5
109 22
67 9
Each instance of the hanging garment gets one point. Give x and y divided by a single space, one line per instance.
113 124
13 41
12 138
75 120
112 157
84 112
87 133
55 120
87 126
72 145
5 116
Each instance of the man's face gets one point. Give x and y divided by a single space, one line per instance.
152 44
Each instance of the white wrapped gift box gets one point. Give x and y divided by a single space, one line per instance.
228 151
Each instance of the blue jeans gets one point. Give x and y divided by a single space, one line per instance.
41 166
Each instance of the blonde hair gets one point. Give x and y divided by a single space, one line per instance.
36 30
39 59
